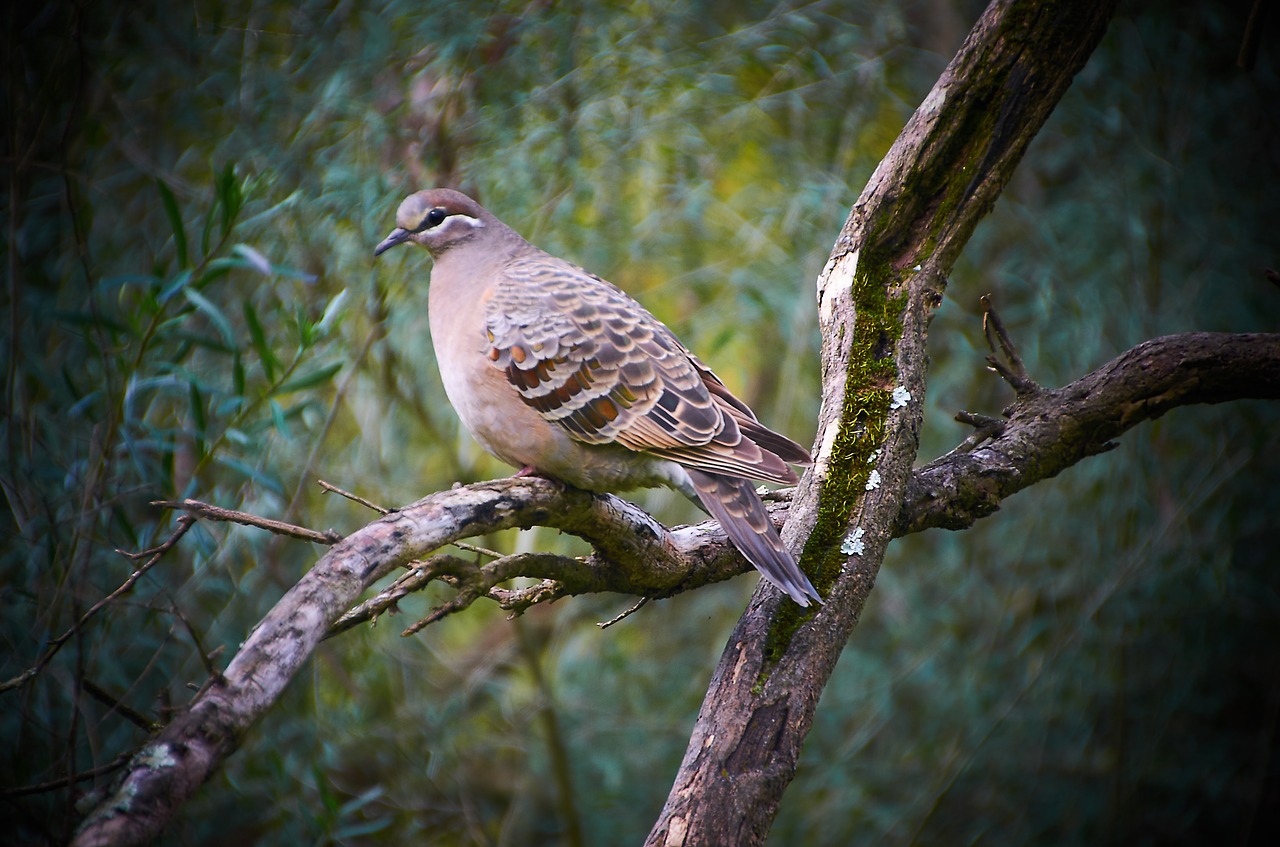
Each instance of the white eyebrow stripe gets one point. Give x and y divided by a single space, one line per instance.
474 223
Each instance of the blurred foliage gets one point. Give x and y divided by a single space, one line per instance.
190 309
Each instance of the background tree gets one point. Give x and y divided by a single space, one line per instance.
1025 669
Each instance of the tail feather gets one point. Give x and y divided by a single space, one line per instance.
734 502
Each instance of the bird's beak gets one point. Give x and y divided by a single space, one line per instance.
397 236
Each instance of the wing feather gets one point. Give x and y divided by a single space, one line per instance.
593 361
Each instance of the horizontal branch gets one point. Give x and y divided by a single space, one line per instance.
1045 433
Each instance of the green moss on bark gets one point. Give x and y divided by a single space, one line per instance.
868 390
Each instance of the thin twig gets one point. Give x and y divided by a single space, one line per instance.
417 578
471 586
474 582
985 428
61 782
1015 372
205 657
330 418
217 513
185 523
483 551
628 613
116 705
356 497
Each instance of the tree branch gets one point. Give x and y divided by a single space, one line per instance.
1048 432
1065 425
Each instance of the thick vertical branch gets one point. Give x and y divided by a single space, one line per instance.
880 287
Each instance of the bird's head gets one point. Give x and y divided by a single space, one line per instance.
438 219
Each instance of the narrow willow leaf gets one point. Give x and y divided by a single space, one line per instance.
332 312
308 380
230 198
178 283
214 314
197 417
269 361
175 221
256 260
278 420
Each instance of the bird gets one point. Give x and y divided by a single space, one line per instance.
562 374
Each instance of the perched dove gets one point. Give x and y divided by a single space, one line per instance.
558 372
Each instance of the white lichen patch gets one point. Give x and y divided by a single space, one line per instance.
873 481
875 454
852 544
157 756
900 398
823 459
837 280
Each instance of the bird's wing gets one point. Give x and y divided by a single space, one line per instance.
593 361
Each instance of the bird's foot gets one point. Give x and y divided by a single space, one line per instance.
530 471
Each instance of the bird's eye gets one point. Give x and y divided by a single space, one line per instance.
435 217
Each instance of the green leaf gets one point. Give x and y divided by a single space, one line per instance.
256 260
175 221
278 419
178 283
198 417
230 198
306 329
308 380
269 361
214 314
237 374
332 312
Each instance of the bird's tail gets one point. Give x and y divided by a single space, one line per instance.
733 501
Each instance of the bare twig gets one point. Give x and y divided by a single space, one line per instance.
355 497
184 523
418 577
628 613
476 581
217 513
62 782
116 705
985 428
473 548
1011 369
206 657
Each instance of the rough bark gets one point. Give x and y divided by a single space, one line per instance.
877 292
